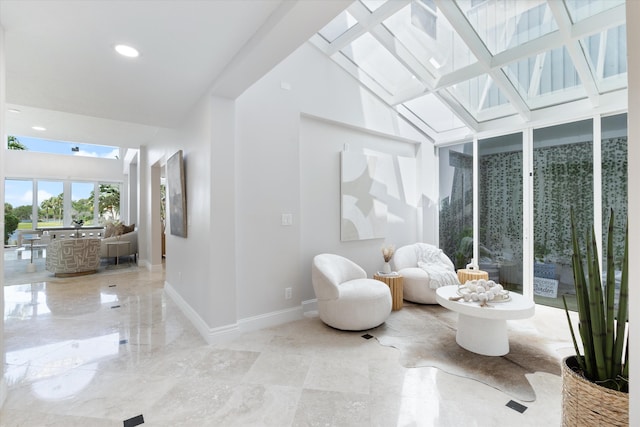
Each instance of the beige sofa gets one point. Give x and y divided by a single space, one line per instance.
73 257
131 249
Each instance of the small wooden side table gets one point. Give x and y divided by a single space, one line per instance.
465 274
395 286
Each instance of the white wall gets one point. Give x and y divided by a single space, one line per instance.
320 145
200 273
28 164
275 150
291 126
633 39
3 383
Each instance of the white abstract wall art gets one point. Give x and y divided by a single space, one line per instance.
363 215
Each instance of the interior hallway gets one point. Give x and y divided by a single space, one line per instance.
101 349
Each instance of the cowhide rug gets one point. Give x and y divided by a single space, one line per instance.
426 336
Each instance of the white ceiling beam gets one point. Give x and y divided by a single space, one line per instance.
346 38
403 55
533 47
291 25
538 45
366 21
466 32
460 75
407 96
464 29
576 53
362 77
597 23
465 117
417 122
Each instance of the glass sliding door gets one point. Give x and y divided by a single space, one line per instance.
614 187
563 179
500 194
456 202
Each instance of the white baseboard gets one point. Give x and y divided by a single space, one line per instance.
228 332
3 391
211 335
310 306
156 268
268 320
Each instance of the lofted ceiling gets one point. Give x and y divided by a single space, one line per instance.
457 68
62 72
452 68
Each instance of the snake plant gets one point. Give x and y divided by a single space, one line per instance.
602 328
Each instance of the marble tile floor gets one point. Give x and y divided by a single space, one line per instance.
103 349
15 270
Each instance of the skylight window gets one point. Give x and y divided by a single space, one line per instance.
338 26
483 60
441 51
373 5
372 58
480 95
439 117
606 53
581 9
504 24
547 73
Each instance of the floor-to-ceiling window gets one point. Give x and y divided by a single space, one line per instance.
82 201
562 181
575 166
109 202
50 199
500 194
456 203
614 186
43 203
18 196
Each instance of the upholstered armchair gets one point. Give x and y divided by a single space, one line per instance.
424 268
347 299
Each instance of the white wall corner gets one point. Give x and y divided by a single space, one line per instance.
228 332
210 335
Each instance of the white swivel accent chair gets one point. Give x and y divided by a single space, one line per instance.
424 268
347 299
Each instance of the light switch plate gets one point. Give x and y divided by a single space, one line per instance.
287 219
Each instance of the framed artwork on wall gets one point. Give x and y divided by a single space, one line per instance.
363 216
177 191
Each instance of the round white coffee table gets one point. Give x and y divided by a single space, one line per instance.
483 330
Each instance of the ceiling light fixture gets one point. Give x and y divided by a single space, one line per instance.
128 51
39 128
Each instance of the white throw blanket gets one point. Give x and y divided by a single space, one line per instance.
440 274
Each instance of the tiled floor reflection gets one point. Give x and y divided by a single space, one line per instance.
98 350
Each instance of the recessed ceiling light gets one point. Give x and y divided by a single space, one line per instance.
40 128
14 110
128 51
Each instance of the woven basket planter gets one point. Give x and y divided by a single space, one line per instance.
585 403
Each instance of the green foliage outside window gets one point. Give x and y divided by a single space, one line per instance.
10 222
14 144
